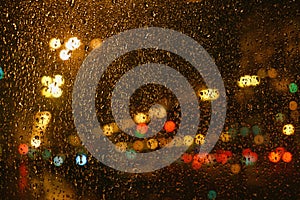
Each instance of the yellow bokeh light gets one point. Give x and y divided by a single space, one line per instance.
46 80
55 91
288 129
199 139
52 86
141 118
95 43
121 146
43 117
46 92
55 43
58 80
35 142
209 94
247 81
65 54
73 43
225 137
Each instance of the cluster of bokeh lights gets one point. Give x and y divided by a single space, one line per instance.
52 88
72 44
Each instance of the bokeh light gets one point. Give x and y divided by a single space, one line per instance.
81 159
65 54
23 149
1 73
73 43
169 126
288 129
55 43
293 87
254 44
52 86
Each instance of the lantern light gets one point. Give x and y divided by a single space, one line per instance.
251 159
280 117
245 81
46 92
255 80
262 73
232 132
295 115
138 134
164 142
177 141
55 91
52 86
74 140
280 151
110 129
32 153
42 118
196 165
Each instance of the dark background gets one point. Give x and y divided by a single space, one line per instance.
241 36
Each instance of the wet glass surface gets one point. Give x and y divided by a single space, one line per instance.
256 48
